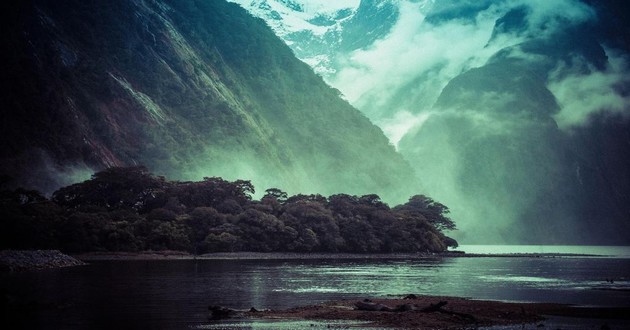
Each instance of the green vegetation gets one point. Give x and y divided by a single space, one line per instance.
129 209
189 89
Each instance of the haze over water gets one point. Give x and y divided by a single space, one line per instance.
597 250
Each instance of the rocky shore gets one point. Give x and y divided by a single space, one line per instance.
26 260
431 312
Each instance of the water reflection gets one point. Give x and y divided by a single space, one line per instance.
175 294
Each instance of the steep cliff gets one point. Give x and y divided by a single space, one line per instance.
187 88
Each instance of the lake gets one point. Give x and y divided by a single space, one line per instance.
175 293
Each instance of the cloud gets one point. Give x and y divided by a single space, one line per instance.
396 127
479 136
581 95
414 47
372 78
548 17
419 57
487 163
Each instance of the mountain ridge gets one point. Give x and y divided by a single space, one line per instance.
188 89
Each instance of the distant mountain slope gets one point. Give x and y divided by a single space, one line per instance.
538 135
516 114
187 88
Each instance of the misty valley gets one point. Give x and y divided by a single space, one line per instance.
289 164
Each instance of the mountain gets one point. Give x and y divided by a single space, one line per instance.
511 128
321 32
188 89
514 113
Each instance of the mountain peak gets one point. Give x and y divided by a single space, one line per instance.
290 16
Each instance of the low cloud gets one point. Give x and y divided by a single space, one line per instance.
402 122
421 57
583 94
548 17
415 48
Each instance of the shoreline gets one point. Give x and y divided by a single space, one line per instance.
180 255
457 313
414 312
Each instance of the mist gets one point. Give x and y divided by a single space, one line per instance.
584 94
513 113
188 90
481 98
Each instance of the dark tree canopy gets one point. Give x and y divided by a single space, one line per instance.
129 209
436 213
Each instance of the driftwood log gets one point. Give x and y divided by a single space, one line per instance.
372 307
219 312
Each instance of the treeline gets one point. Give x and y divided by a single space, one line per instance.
129 209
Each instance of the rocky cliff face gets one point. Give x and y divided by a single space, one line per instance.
189 89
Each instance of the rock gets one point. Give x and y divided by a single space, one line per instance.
26 260
434 307
370 306
219 313
406 308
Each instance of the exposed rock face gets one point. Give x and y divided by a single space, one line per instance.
189 89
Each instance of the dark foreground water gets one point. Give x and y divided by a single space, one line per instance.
176 293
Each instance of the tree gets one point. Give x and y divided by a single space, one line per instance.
434 212
223 242
264 232
317 218
373 200
118 236
277 194
358 235
169 236
128 209
275 200
212 192
113 188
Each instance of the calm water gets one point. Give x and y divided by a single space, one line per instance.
175 294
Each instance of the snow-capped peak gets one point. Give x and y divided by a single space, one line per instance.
290 16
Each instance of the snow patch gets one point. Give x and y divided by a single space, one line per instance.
289 16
